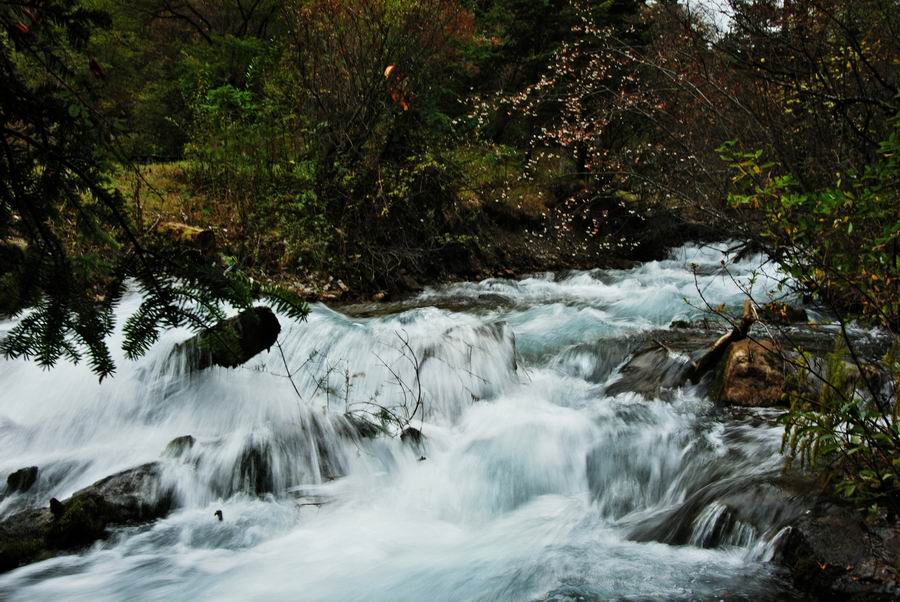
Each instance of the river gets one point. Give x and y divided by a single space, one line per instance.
530 482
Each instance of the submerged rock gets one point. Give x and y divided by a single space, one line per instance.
752 374
130 497
231 342
178 446
356 427
412 436
56 507
723 512
254 472
652 373
22 480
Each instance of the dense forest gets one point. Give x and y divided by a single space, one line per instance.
217 154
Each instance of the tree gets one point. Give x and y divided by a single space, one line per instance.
839 244
371 81
70 249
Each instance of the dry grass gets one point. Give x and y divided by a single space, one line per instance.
164 191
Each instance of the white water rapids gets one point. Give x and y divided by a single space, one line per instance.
530 484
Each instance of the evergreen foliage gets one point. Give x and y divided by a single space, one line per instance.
71 248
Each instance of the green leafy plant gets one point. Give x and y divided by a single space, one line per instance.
840 245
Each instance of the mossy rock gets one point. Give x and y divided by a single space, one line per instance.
232 342
129 497
22 479
201 239
179 446
83 521
19 552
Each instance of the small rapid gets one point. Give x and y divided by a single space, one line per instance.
530 480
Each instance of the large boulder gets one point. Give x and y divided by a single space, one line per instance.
231 342
725 512
130 497
653 372
752 374
833 554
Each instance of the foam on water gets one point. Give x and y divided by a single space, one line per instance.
530 484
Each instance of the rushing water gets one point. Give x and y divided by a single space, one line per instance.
530 484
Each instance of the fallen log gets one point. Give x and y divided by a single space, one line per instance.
710 357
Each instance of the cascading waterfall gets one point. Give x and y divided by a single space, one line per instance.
531 482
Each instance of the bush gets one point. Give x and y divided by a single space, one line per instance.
839 245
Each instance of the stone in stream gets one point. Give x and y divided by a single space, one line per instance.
652 373
357 427
231 342
130 497
661 368
178 446
254 471
412 436
751 375
22 480
833 554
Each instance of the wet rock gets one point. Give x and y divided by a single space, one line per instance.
83 520
408 282
22 538
763 504
831 553
231 342
359 428
254 473
704 324
56 507
178 446
595 362
705 360
750 375
653 373
22 480
412 435
130 497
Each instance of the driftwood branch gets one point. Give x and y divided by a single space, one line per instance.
713 354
